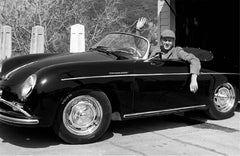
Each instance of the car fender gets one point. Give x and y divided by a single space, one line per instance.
51 89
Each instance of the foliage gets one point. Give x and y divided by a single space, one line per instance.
139 8
56 16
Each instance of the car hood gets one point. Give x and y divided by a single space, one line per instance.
70 58
22 71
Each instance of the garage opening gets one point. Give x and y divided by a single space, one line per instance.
210 25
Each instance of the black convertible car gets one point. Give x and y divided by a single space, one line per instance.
80 94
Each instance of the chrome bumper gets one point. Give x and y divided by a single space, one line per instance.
16 107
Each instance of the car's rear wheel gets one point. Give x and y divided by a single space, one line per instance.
83 117
223 102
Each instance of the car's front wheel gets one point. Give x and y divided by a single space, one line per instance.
83 117
223 102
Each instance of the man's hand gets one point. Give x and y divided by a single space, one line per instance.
140 23
194 84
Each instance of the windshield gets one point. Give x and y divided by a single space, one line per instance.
134 45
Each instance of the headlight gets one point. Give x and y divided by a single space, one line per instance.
28 86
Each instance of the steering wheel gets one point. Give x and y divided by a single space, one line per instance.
132 50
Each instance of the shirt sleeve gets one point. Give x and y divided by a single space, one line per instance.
195 64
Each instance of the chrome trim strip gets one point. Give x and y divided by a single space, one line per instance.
18 121
14 70
219 73
122 75
138 75
162 111
15 107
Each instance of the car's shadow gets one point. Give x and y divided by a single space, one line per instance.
28 137
152 124
45 137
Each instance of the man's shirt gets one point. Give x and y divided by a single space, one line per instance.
177 53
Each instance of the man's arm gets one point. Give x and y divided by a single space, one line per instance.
195 67
195 64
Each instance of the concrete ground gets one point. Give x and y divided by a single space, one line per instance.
163 135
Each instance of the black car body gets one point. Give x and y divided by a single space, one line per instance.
79 94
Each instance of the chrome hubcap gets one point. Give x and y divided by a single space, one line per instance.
224 97
82 115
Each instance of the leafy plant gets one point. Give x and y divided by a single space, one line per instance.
56 16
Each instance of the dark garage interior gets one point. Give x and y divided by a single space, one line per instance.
210 25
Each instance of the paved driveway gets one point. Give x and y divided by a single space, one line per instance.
164 135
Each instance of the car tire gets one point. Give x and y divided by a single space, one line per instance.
223 102
83 117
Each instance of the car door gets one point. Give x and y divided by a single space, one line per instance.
162 85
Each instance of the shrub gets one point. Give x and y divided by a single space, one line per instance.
56 16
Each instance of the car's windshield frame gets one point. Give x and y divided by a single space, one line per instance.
145 53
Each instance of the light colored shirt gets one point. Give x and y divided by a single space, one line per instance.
177 53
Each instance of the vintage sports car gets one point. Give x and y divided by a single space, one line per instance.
80 94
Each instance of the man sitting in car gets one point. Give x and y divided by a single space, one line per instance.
169 51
